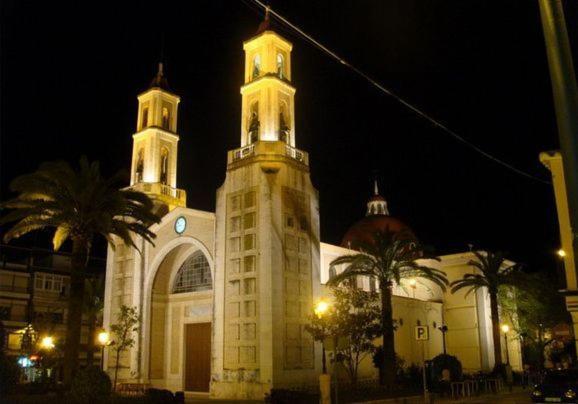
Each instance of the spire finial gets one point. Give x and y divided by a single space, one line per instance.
375 189
160 80
265 24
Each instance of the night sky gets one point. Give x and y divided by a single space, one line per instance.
71 72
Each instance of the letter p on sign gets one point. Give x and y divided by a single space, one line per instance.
421 333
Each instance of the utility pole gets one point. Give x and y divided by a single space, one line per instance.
565 94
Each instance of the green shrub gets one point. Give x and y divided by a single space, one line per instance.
444 361
91 385
377 359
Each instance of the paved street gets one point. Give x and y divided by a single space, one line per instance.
517 397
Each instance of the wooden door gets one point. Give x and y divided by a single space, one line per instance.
198 356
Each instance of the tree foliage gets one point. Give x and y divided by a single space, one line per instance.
534 307
353 319
124 330
389 258
492 271
78 204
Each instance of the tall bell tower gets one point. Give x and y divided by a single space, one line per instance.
154 155
267 238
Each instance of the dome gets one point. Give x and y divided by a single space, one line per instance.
377 219
364 230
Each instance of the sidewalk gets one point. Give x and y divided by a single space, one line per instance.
517 396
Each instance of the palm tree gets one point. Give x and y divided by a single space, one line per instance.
93 305
493 272
389 258
79 205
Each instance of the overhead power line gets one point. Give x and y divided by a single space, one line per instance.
399 99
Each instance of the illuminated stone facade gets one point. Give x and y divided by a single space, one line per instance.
224 297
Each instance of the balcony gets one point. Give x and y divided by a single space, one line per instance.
169 195
266 150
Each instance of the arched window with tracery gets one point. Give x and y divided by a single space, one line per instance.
194 275
138 173
256 66
164 166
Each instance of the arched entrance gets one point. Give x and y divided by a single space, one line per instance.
180 315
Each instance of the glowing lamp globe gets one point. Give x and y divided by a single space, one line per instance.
47 343
103 338
321 308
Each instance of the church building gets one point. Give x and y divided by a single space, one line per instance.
224 296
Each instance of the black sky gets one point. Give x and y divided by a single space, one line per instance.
71 72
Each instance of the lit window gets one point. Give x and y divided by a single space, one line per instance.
194 274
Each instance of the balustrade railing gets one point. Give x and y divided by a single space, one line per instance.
264 148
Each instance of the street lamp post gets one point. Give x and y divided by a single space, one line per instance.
506 329
47 345
104 341
324 379
443 329
508 368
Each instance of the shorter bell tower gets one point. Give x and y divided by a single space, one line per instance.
154 155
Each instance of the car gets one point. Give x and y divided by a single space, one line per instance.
558 386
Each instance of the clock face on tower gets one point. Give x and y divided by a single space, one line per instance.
180 225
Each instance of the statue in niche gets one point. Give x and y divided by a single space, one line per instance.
139 167
283 129
254 127
164 166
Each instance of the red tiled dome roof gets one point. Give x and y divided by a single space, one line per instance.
364 230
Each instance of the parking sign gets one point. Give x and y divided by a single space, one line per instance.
421 333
